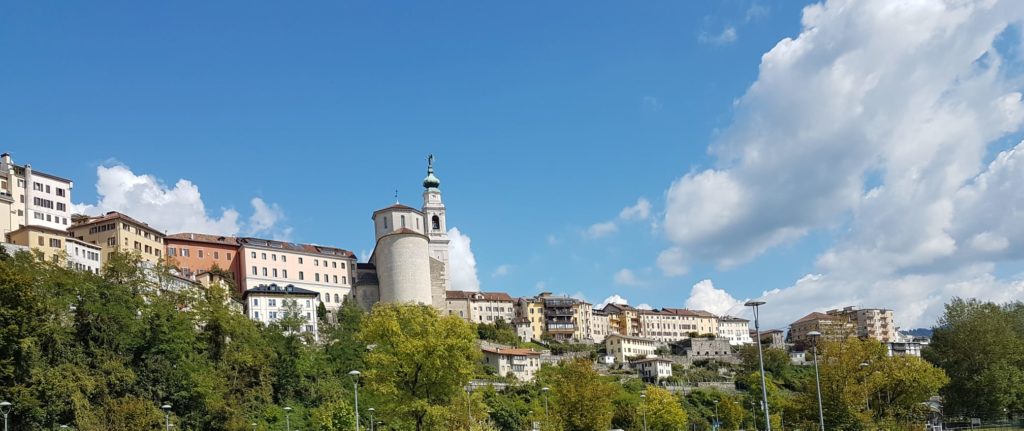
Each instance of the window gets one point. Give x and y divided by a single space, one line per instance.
255 301
300 261
301 276
37 187
60 192
273 314
158 253
200 253
275 272
284 258
273 257
272 302
170 251
42 241
184 252
435 222
284 273
317 276
343 265
316 262
344 280
307 303
256 315
112 241
61 207
336 298
334 264
216 255
263 256
264 271
385 222
254 271
254 255
47 188
229 256
403 220
335 279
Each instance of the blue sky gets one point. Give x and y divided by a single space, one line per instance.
545 119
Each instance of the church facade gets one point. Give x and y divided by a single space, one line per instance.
410 262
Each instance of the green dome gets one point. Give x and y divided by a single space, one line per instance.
431 181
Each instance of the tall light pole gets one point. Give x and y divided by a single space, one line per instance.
469 404
545 391
254 426
355 384
371 410
643 400
167 415
867 396
717 421
288 418
5 409
760 360
817 378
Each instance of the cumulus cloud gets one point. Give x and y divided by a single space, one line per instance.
876 118
501 271
652 103
614 299
672 262
462 261
173 209
644 306
626 277
640 211
705 296
726 36
599 230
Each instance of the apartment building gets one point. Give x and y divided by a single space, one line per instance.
734 329
114 231
193 253
559 317
624 347
831 327
599 326
521 363
328 271
32 198
56 245
583 313
532 309
699 321
270 303
623 319
480 307
874 323
652 370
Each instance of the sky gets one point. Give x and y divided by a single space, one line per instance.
664 154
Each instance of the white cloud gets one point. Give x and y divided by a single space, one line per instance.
875 120
644 306
501 271
705 296
553 240
579 295
462 261
598 230
726 36
173 209
672 262
614 299
640 211
652 103
626 277
756 11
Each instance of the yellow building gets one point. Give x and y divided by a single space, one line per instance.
830 327
56 245
532 309
114 231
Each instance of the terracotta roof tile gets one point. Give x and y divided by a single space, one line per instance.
485 296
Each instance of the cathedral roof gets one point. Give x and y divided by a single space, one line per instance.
431 181
398 207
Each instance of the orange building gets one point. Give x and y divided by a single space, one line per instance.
193 253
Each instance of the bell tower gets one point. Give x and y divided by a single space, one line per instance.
435 223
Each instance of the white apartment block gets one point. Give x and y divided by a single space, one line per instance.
328 271
32 198
624 347
270 303
480 307
584 312
669 325
82 255
734 329
521 363
652 369
874 323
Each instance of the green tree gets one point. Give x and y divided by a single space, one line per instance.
664 411
580 398
418 360
333 416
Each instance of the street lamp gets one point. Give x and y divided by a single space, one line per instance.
867 396
545 391
288 418
717 421
760 359
817 378
167 415
254 426
371 410
355 384
5 409
643 400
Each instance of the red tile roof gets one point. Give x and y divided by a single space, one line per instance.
817 316
112 215
203 237
485 296
516 352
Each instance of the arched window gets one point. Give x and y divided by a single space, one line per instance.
336 298
436 222
403 220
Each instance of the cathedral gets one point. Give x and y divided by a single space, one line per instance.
409 263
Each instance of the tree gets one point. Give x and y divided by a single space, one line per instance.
664 412
418 361
980 345
333 416
581 399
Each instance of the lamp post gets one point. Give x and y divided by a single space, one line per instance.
760 360
717 421
371 410
867 396
355 384
817 378
469 403
643 400
254 426
5 409
545 391
288 418
167 415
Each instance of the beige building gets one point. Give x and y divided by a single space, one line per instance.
268 304
830 327
56 245
874 323
599 326
328 271
114 231
623 319
624 347
532 309
652 370
669 325
699 321
521 363
583 312
32 198
480 307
